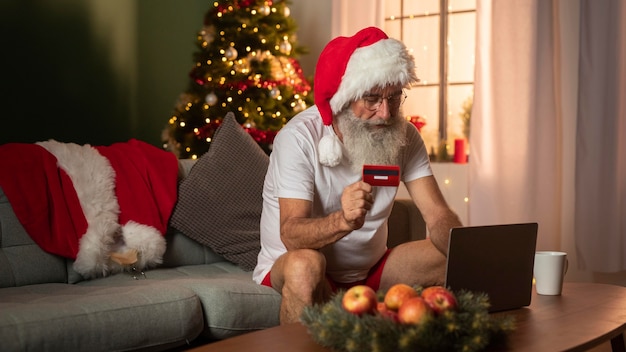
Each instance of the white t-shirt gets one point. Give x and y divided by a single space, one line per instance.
295 172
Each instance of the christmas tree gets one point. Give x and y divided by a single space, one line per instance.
246 63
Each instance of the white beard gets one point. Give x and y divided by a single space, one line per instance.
368 144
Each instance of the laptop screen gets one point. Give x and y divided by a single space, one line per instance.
496 260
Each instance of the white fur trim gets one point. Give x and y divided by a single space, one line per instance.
385 62
148 242
93 179
329 149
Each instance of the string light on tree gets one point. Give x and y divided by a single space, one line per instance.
245 63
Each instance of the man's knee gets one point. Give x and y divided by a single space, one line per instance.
304 264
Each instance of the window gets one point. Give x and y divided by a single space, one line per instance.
441 36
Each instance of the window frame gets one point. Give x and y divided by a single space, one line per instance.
444 83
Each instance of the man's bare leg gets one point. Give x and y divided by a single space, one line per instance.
299 276
414 263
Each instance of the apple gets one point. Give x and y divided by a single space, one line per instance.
359 300
398 294
414 311
439 298
387 313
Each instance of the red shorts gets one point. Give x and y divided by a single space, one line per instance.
372 280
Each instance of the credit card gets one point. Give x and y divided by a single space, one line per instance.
382 175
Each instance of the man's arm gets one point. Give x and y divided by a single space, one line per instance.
437 214
299 230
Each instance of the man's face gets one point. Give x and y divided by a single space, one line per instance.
372 129
379 104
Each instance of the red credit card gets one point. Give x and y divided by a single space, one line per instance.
382 175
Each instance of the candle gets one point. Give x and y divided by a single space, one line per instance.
460 157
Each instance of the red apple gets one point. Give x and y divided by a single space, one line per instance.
359 299
414 311
398 294
387 313
439 298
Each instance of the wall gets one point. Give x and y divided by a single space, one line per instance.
103 71
166 42
61 73
314 29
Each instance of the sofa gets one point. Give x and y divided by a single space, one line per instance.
198 293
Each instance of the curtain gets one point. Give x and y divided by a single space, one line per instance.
516 138
601 138
348 16
548 126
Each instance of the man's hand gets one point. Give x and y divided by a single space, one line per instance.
298 229
356 201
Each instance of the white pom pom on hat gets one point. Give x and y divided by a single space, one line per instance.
330 150
347 68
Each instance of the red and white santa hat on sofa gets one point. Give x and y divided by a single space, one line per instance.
347 68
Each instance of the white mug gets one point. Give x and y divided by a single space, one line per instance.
550 268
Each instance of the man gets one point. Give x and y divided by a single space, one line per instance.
322 227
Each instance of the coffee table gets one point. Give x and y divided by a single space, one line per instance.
584 316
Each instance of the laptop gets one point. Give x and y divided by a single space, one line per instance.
496 259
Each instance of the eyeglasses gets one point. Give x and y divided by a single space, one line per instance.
373 102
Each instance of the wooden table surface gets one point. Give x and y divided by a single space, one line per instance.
584 316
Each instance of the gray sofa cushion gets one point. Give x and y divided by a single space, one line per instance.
22 261
257 306
182 250
233 303
220 201
61 317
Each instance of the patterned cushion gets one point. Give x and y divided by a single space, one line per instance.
220 201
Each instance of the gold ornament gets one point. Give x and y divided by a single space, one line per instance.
208 34
184 100
231 53
275 93
265 10
211 99
285 47
249 124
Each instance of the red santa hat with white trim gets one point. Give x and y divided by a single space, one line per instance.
349 67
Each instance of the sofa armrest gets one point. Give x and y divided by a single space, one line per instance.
405 223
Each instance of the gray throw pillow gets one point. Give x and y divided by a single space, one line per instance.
220 201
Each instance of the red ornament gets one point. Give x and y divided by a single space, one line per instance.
208 130
262 136
417 121
300 87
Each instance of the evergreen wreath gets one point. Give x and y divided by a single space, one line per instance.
468 328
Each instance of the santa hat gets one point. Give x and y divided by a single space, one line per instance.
347 68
